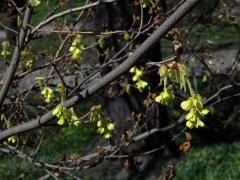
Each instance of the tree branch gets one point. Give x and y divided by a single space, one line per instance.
15 58
111 76
69 11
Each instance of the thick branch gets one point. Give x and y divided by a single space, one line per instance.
122 68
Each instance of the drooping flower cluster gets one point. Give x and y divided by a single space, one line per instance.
176 72
46 91
29 63
48 94
76 48
12 139
179 74
138 73
104 128
5 46
65 115
196 112
165 97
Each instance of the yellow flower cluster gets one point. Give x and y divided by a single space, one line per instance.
179 73
105 129
48 94
5 46
46 91
138 73
65 115
176 72
12 139
165 97
76 48
29 63
163 71
196 112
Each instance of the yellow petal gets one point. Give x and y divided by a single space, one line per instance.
110 126
199 124
139 73
190 125
158 99
100 130
76 123
60 121
186 105
107 135
71 49
189 115
205 111
57 111
99 123
135 78
12 139
133 70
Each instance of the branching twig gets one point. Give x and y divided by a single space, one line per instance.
117 72
15 58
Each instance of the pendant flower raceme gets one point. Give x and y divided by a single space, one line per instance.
178 74
175 72
163 71
165 97
138 73
5 46
48 94
76 48
29 63
141 85
196 112
104 128
65 115
12 139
